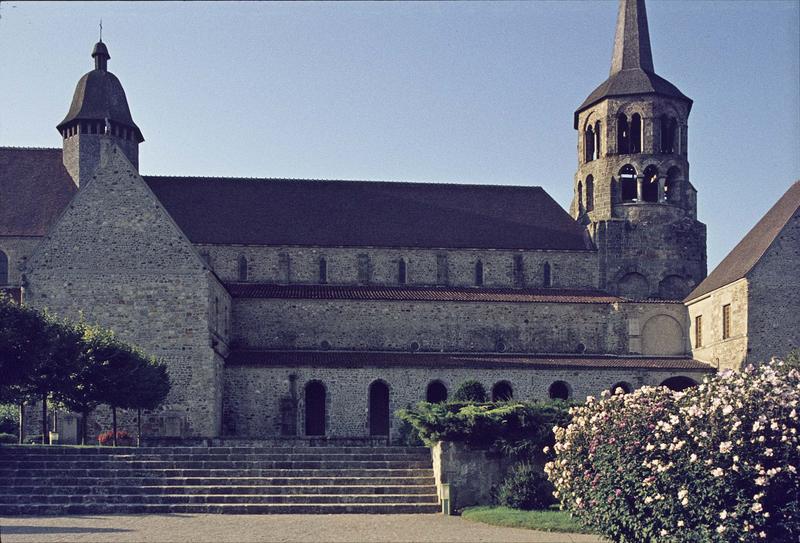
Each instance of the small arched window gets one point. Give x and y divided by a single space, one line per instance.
436 392
242 268
3 268
580 197
597 139
668 130
401 272
622 385
519 271
588 144
589 193
623 135
672 189
636 134
502 392
479 273
547 279
650 184
627 177
559 391
323 270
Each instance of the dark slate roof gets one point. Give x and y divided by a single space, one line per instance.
425 294
632 70
749 251
355 359
367 213
99 96
34 189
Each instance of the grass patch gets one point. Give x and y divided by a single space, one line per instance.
551 520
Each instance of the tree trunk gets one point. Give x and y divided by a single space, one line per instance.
45 430
21 422
114 426
139 423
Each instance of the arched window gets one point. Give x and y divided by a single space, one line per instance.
627 177
379 408
502 392
625 386
436 392
679 383
672 191
479 273
636 134
668 130
588 144
315 399
547 279
623 135
401 272
559 391
589 193
3 268
614 191
242 268
580 197
650 184
519 271
323 270
597 139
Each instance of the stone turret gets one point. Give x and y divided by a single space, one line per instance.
99 110
632 187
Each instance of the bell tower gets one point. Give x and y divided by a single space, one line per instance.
632 189
99 109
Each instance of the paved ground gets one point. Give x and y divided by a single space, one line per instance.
268 528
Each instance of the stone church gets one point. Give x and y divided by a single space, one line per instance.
288 307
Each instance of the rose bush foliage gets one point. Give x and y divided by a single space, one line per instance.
717 462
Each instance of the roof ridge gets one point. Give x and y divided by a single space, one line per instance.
322 180
24 148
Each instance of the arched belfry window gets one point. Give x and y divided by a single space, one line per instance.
669 129
242 268
627 179
547 277
672 189
623 135
436 392
588 144
589 193
580 197
401 272
3 268
479 273
650 184
323 270
597 127
636 134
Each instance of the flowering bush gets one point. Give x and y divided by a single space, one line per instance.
107 438
717 462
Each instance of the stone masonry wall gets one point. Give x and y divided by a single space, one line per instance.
117 259
569 269
721 353
18 249
253 394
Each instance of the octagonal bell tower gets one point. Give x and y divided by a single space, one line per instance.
632 187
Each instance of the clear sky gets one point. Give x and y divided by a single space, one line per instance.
454 92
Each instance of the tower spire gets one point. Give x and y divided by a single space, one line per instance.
632 39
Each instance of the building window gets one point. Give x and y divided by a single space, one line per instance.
242 268
726 321
669 128
623 135
636 134
547 280
559 391
441 269
672 190
589 193
588 144
502 392
436 392
597 139
3 268
650 184
519 271
698 331
401 272
627 177
323 270
580 198
479 273
364 270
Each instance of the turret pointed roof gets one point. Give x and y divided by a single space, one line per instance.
632 70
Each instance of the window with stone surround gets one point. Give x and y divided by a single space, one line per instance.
441 269
519 271
436 392
590 193
547 279
588 144
627 178
3 268
364 271
726 321
560 390
502 392
242 268
323 270
479 273
401 272
698 331
623 135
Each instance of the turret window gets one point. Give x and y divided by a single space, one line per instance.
547 279
650 184
669 128
672 191
597 139
588 144
627 177
401 272
3 269
589 193
479 273
323 270
636 134
519 271
580 197
623 135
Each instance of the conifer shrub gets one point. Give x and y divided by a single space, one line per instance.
470 391
526 487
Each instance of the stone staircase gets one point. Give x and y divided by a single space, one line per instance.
57 480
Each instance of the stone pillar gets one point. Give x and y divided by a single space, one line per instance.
661 195
639 187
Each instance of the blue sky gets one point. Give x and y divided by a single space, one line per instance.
454 92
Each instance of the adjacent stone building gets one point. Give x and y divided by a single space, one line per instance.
306 307
748 309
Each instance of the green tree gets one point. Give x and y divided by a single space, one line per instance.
151 386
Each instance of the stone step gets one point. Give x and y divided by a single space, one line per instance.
216 464
39 482
200 457
165 499
93 450
102 490
38 509
254 472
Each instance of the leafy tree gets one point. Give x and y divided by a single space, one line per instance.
151 386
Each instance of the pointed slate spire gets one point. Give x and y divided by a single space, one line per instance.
632 40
